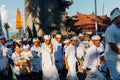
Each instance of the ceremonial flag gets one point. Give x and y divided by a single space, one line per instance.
19 21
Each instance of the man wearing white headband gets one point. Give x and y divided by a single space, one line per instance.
36 60
92 60
70 59
58 53
48 63
65 50
66 44
112 55
81 48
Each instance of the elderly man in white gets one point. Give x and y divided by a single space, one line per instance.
112 53
48 63
92 60
70 59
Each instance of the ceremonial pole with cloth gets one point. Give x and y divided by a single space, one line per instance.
19 22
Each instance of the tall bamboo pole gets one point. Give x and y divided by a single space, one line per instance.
96 26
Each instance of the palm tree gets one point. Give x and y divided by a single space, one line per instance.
6 26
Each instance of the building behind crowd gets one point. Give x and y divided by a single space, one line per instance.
86 22
47 15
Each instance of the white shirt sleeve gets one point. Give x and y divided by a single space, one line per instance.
67 52
14 58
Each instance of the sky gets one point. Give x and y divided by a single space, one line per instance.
87 6
8 9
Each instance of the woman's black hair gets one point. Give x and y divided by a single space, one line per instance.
16 44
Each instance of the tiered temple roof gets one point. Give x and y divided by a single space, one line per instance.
87 22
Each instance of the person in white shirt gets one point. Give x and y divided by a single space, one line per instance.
26 54
92 60
80 51
112 52
66 44
3 46
58 52
65 51
3 54
36 63
70 59
102 45
53 37
90 42
81 47
48 63
103 66
16 57
19 41
9 45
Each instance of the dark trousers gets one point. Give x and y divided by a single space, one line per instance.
36 75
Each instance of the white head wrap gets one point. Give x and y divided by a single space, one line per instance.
47 37
74 38
114 14
81 34
96 37
58 36
35 39
26 46
66 41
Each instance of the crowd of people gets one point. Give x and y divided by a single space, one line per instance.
49 58
55 58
